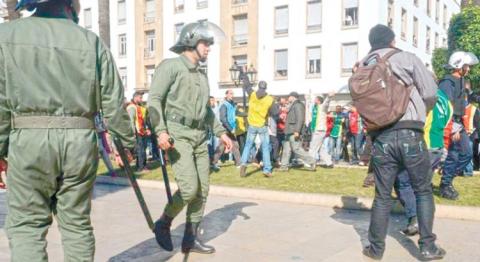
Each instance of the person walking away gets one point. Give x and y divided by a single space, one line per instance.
55 76
179 110
295 124
398 139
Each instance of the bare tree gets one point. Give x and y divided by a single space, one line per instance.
12 14
104 20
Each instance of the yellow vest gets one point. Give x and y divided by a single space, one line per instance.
258 110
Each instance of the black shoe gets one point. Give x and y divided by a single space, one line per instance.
215 168
412 227
448 192
162 232
191 243
435 253
243 170
368 252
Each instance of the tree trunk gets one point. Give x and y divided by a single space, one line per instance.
104 21
12 14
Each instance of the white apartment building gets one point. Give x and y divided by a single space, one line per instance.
88 17
310 46
122 41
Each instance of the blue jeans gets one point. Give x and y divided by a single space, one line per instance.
355 141
459 155
265 138
336 147
468 171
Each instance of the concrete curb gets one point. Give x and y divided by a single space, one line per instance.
332 201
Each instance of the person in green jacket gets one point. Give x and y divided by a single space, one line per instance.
55 77
179 110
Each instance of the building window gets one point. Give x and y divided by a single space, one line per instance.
415 31
122 45
281 63
150 44
314 15
122 12
427 46
415 2
149 72
350 13
391 13
429 8
238 2
314 61
437 11
150 11
349 57
87 15
240 30
122 72
202 4
281 20
179 6
178 29
436 40
445 16
404 24
240 60
444 42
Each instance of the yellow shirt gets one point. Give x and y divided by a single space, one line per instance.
258 110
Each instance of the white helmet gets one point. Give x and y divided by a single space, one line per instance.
459 59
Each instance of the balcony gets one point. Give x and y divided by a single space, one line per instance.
239 2
202 4
240 40
149 17
148 54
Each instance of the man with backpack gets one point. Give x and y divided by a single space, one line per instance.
459 151
400 91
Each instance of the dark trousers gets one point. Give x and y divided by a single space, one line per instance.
241 142
235 151
394 152
274 149
459 156
141 148
355 141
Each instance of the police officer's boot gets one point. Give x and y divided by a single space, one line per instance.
191 243
162 232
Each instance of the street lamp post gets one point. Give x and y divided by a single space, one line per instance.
238 74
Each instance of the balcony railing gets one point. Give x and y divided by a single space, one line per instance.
202 4
238 40
148 53
237 2
149 17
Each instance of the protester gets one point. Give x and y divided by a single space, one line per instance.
59 75
400 146
336 134
260 107
459 151
318 128
355 134
178 107
295 124
138 122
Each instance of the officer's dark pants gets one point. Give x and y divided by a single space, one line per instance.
141 147
394 152
459 156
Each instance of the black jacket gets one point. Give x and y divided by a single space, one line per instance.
295 118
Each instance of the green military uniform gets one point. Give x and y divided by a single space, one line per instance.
178 104
54 77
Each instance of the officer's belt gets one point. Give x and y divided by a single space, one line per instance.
186 121
52 122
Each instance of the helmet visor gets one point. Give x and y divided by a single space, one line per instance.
209 32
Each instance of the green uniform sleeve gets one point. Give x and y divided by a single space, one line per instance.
4 110
213 122
112 98
161 82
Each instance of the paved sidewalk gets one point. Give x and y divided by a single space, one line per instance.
251 230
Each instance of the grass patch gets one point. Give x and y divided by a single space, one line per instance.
337 181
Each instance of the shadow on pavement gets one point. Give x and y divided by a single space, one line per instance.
101 190
214 224
360 220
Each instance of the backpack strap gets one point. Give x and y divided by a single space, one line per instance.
390 54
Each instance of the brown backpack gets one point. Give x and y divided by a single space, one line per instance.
379 95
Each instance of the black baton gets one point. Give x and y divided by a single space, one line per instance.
164 171
133 181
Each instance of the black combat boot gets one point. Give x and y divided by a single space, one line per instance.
162 232
412 227
448 192
191 243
